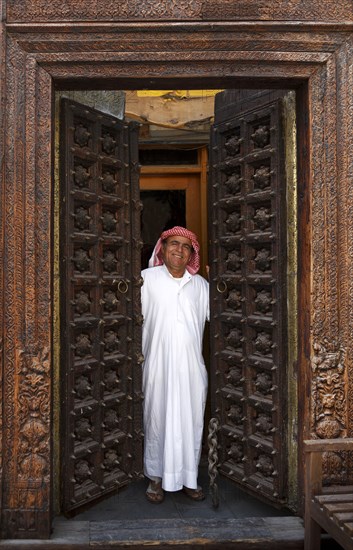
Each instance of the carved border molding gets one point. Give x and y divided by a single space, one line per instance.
27 430
57 10
37 59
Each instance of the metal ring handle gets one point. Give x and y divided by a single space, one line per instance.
123 287
221 286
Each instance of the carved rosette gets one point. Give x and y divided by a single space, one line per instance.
34 417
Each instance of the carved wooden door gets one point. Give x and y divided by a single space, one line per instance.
248 295
101 430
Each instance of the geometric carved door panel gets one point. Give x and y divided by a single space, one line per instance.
101 420
248 291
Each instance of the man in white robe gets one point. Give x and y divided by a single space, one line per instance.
175 306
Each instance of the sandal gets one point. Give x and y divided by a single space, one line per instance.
194 494
155 493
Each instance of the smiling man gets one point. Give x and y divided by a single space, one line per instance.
175 306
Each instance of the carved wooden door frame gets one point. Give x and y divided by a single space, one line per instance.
308 47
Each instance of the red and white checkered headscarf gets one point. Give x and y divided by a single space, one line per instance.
194 261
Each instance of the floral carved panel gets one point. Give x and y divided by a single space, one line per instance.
27 487
329 405
34 416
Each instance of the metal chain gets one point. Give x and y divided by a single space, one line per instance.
212 439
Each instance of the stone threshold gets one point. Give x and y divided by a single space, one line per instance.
285 532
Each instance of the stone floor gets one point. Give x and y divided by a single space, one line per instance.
127 520
131 503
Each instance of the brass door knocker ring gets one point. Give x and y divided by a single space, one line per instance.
221 286
123 286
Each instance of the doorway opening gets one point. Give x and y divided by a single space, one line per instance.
165 206
178 193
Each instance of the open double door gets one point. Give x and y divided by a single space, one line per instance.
100 250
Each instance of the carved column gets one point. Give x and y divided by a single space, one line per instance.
27 301
331 404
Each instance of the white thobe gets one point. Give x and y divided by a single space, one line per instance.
174 375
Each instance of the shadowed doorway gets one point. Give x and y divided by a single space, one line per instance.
174 196
162 209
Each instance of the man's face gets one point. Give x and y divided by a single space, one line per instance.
176 254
